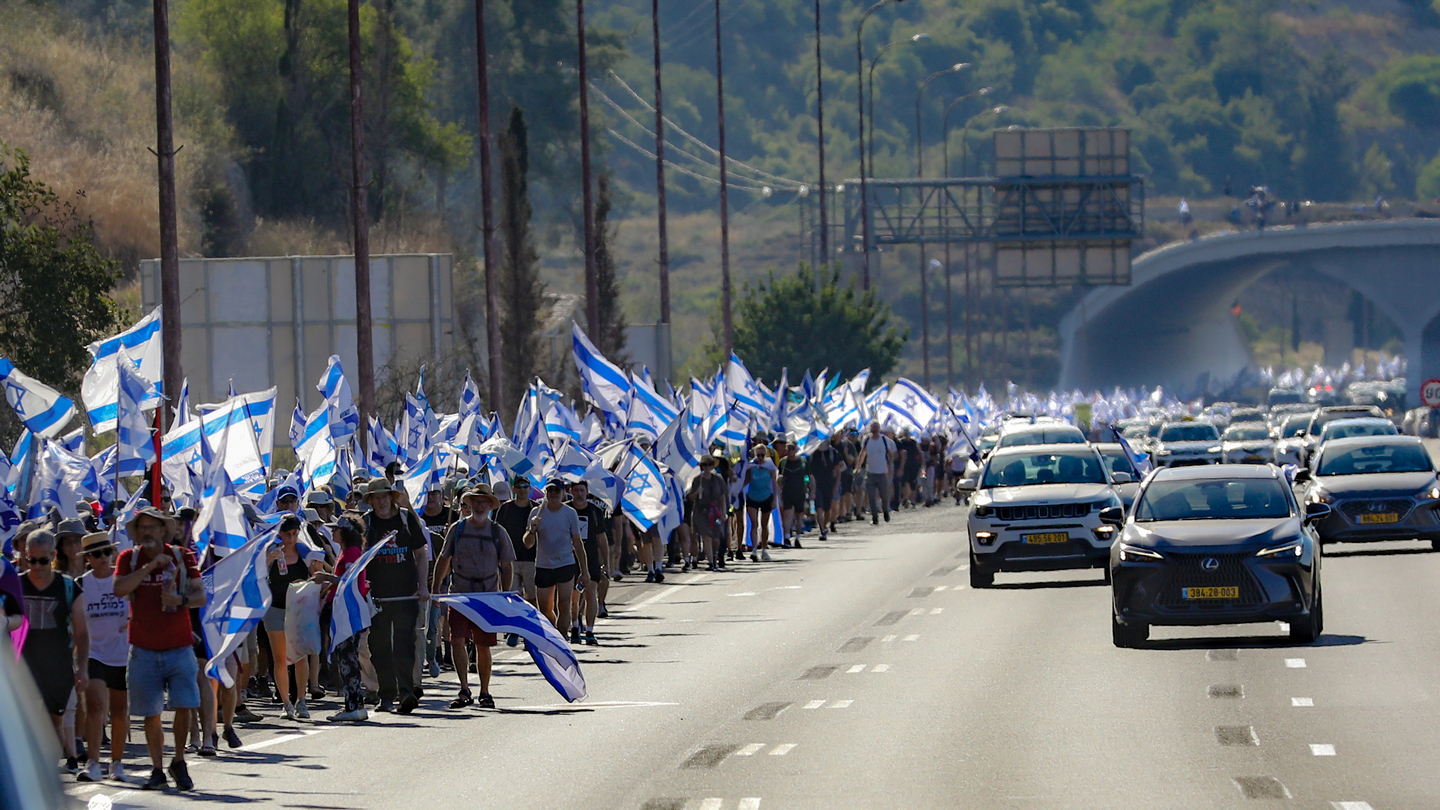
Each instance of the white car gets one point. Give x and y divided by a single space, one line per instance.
1037 508
1247 443
1351 428
1290 439
1015 434
1181 444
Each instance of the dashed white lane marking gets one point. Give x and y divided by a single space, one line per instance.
1295 663
749 803
939 588
814 704
912 637
855 669
840 704
917 612
782 749
880 668
785 588
962 568
935 611
1351 806
1299 702
887 639
712 804
1322 749
277 740
747 593
750 750
652 599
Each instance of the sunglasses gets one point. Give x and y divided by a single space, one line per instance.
38 560
104 552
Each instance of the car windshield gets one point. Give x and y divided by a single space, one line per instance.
1214 499
1343 431
1294 426
987 443
1247 433
1135 432
1023 470
1058 435
1375 458
1116 462
1189 433
1322 419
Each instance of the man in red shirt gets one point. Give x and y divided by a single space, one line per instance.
162 582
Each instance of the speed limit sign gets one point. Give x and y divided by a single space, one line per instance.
1430 393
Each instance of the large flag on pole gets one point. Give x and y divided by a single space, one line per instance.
237 591
602 382
137 445
509 613
43 410
142 343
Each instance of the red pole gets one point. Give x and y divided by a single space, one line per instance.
156 485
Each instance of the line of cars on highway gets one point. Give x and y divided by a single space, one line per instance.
1227 527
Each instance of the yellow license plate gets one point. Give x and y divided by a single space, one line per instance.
1383 517
1229 592
1047 537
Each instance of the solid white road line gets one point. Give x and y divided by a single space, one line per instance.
936 611
1295 663
747 593
284 738
750 750
814 704
1299 702
749 803
840 704
855 669
887 639
880 668
651 600
912 637
1351 806
1322 750
782 750
712 804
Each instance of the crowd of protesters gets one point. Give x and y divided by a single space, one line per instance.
112 618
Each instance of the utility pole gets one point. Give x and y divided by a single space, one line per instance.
820 141
587 205
660 188
174 374
729 325
487 220
359 205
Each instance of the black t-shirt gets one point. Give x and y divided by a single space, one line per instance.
592 524
297 571
792 471
910 451
392 574
514 518
822 466
437 524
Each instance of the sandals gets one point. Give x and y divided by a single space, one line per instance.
486 701
462 700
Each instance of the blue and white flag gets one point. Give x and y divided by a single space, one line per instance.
641 421
221 522
383 449
43 410
742 388
182 406
414 435
644 500
74 441
469 396
352 610
142 343
603 383
133 434
776 523
298 421
509 613
678 449
561 421
249 422
1141 461
344 417
664 410
908 405
422 477
237 594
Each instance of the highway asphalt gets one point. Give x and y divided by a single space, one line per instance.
864 672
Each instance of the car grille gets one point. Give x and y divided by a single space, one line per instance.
1186 572
1365 506
1044 512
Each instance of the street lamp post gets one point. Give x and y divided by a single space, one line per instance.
964 170
664 248
870 89
587 205
924 268
726 318
820 138
945 221
860 112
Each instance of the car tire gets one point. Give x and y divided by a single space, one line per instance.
1134 634
1435 545
1308 631
980 577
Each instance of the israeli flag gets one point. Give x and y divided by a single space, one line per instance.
509 613
142 343
182 407
353 611
414 431
344 417
664 410
644 499
742 388
10 521
469 396
43 410
678 449
777 528
561 421
572 461
249 425
74 441
221 524
237 591
508 456
61 479
422 477
383 449
603 383
1141 461
133 435
604 485
641 421
910 405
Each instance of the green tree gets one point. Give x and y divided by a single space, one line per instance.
522 293
785 322
1427 186
611 340
56 284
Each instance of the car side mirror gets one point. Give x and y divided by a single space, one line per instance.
1112 515
1303 476
1122 477
967 485
1315 512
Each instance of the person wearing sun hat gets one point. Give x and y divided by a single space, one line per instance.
477 555
400 588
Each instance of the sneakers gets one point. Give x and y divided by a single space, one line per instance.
117 772
617 576
486 701
512 640
796 541
754 557
289 711
765 555
157 780
231 738
875 519
659 576
317 691
824 537
352 716
244 715
72 765
300 711
574 635
650 576
91 772
462 700
180 774
408 704
591 640
604 611
386 705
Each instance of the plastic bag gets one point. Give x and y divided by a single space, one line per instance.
302 620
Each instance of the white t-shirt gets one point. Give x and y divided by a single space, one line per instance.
108 618
878 450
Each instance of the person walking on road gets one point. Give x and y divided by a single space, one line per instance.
594 535
554 532
107 621
477 555
877 459
759 489
57 648
710 495
400 589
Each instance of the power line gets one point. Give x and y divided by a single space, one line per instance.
715 181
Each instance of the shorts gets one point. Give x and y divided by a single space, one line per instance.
764 506
847 482
55 680
274 620
794 501
114 677
151 673
522 577
550 577
462 628
824 490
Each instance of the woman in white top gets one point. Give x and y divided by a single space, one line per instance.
108 618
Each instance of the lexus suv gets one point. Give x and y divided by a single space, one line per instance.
1037 508
1222 544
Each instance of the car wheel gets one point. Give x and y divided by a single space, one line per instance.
1308 631
1435 545
980 577
1134 634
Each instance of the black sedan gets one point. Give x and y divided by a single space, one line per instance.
1379 488
1226 544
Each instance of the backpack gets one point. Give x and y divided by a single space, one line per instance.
457 532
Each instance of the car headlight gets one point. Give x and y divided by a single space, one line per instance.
1321 496
1214 449
1287 550
984 538
1129 553
1162 452
1431 494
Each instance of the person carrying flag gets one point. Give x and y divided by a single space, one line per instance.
477 555
346 655
399 586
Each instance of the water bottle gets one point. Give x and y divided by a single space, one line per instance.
280 563
167 585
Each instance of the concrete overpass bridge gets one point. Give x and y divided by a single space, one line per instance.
1172 326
